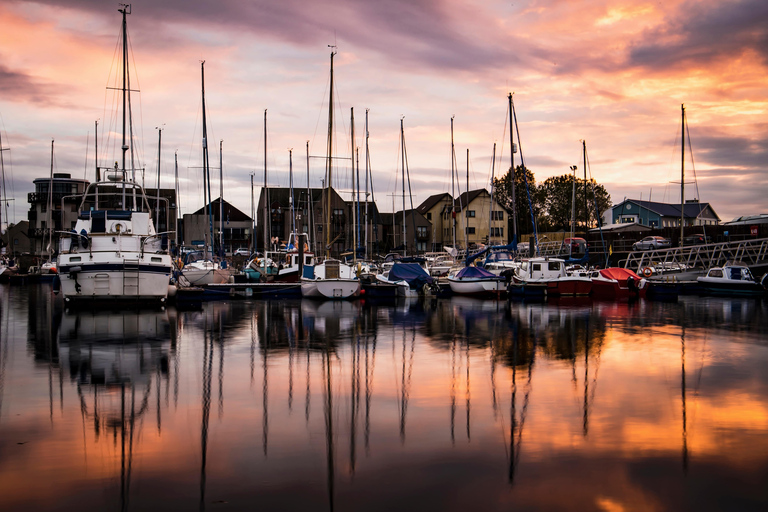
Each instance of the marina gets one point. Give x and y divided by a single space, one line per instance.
348 405
424 326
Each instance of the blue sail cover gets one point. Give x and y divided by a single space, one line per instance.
475 273
413 273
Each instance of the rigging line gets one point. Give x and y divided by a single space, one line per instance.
525 176
410 195
594 199
693 167
139 142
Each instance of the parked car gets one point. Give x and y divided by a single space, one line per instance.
651 242
574 246
696 240
243 251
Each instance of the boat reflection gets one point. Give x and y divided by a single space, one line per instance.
313 405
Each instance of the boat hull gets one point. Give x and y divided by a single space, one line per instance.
730 288
477 287
104 281
569 287
205 276
332 289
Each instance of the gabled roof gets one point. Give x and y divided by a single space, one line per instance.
467 197
280 195
431 201
230 212
692 209
399 215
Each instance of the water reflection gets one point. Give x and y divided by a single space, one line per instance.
454 403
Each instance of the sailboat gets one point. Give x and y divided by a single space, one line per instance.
331 279
199 269
114 252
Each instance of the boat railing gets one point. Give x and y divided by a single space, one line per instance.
73 235
145 239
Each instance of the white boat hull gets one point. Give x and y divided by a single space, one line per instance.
203 276
336 289
477 286
104 278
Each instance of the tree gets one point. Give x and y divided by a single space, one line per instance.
503 191
558 201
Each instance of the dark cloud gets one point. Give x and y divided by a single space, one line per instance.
729 151
19 86
700 33
425 33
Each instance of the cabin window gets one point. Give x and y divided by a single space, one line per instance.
307 260
554 265
716 272
156 260
537 267
74 259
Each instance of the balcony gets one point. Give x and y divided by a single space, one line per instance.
38 197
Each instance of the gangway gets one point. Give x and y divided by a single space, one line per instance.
752 252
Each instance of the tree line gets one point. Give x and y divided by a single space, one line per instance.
551 201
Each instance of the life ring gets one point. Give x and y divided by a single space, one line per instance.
119 227
647 272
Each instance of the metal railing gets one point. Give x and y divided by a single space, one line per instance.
751 252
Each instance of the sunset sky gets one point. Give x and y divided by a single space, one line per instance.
613 73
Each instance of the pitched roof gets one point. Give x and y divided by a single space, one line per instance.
467 197
230 212
431 201
692 209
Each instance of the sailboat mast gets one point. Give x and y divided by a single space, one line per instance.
126 9
367 170
453 188
354 213
512 172
178 201
329 165
267 227
573 202
402 156
50 207
493 172
586 201
221 198
96 149
253 219
4 195
206 169
157 201
309 205
290 199
682 173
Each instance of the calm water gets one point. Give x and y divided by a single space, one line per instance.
441 405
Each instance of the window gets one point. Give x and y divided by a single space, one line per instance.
338 212
470 230
497 215
429 216
554 265
421 231
470 213
497 231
